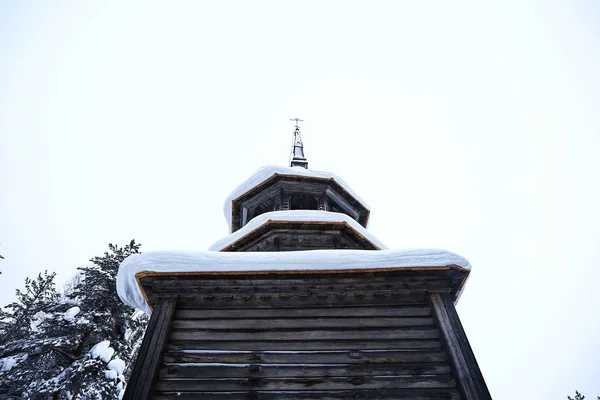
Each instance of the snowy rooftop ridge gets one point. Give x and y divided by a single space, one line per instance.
268 171
317 260
295 216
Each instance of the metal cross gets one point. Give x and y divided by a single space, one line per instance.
297 120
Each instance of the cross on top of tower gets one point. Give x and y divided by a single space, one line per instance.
297 158
297 120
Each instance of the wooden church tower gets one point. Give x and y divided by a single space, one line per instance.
300 301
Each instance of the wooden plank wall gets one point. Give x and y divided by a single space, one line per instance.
286 236
356 347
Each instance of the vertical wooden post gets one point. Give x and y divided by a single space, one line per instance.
469 375
151 351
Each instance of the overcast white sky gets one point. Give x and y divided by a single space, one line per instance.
473 127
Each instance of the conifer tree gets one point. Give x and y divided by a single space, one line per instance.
22 359
75 345
17 322
97 297
578 396
103 335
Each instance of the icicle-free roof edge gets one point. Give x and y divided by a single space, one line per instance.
314 261
296 216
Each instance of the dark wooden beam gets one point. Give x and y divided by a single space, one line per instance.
357 394
151 351
444 381
468 373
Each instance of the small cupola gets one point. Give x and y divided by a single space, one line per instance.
276 188
294 208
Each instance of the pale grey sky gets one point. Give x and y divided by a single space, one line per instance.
472 127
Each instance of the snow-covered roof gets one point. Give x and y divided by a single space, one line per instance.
267 172
130 291
295 216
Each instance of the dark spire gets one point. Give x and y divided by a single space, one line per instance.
297 158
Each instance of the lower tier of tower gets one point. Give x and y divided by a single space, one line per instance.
392 335
384 352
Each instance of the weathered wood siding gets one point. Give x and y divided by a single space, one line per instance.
299 337
301 236
151 351
469 375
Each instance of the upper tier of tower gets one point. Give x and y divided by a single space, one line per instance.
276 188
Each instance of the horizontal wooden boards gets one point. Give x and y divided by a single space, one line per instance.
313 357
311 328
305 345
299 236
208 370
324 383
300 323
285 286
301 300
335 336
271 279
308 334
296 290
307 312
377 394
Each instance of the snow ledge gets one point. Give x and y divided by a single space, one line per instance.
131 293
295 216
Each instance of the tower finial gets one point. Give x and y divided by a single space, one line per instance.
297 157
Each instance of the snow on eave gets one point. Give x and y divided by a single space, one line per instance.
268 172
316 261
309 216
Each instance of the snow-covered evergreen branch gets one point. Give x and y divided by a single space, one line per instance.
71 345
